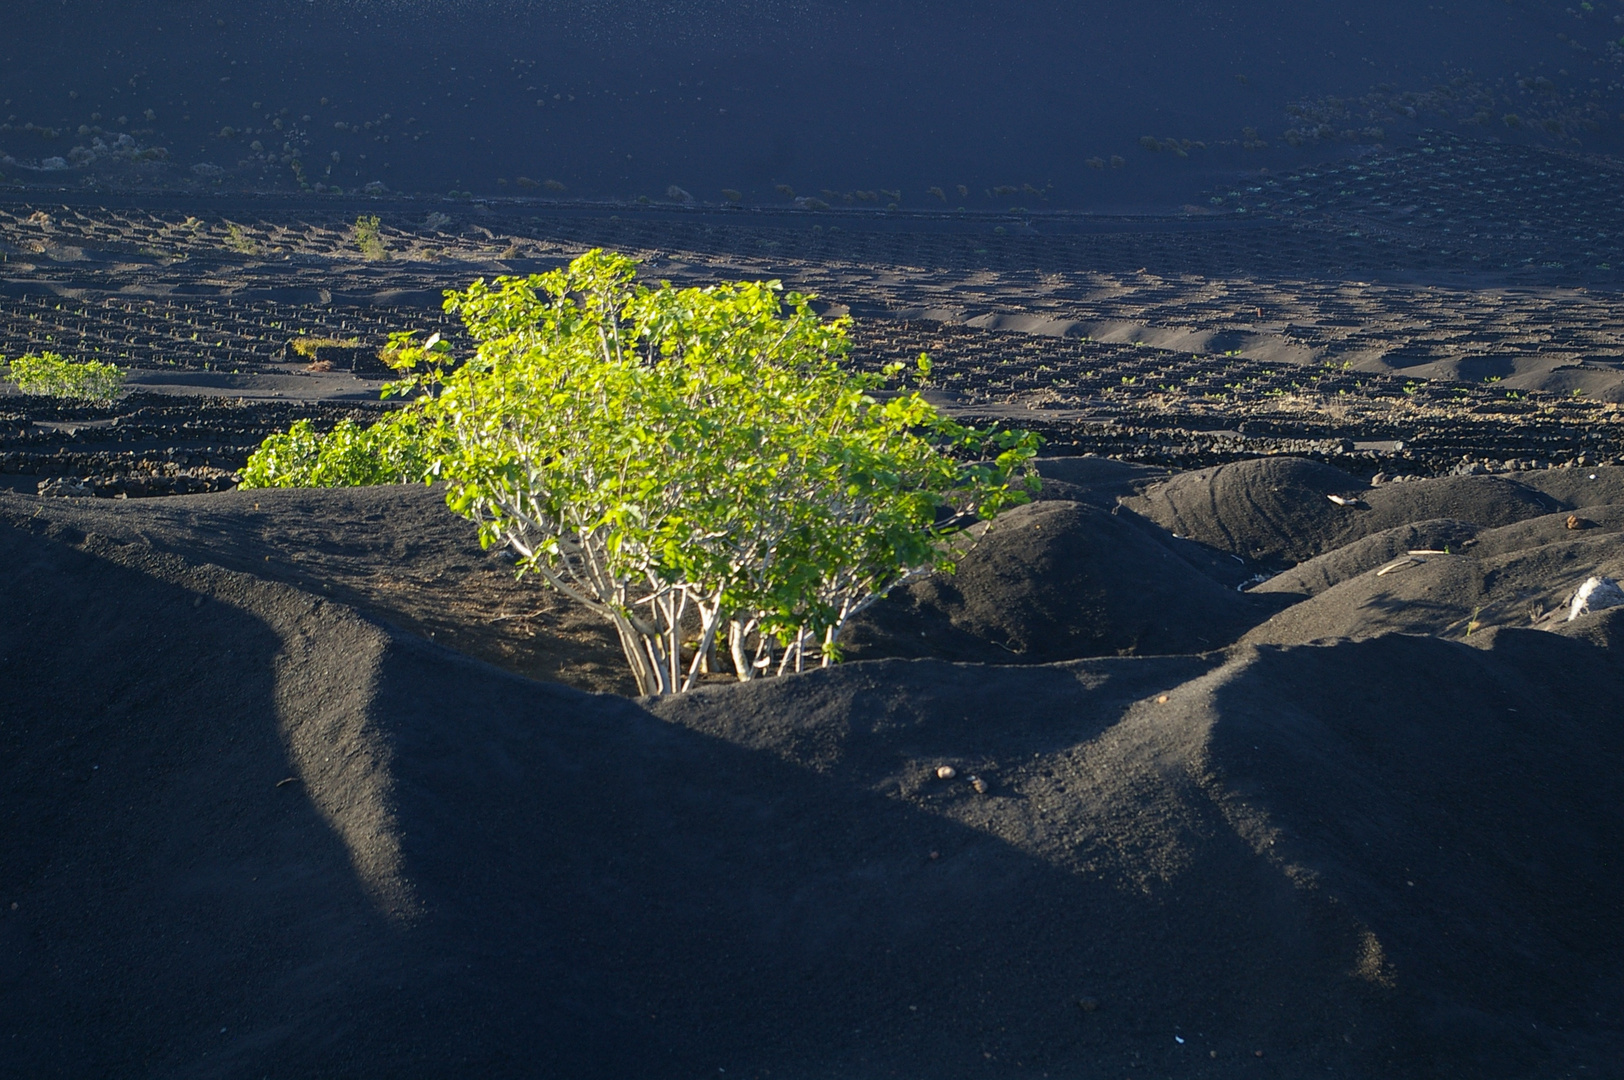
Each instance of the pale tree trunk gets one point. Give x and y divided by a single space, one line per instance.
650 678
743 667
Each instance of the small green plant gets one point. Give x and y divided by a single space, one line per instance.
309 347
238 240
56 376
391 451
369 238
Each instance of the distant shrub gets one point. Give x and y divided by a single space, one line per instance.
310 347
369 239
388 452
57 376
239 240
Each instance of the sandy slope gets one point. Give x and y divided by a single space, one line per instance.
251 831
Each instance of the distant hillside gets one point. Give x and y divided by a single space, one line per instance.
980 104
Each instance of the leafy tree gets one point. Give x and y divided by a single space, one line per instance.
55 375
696 465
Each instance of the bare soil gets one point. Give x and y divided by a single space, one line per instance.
1273 749
255 825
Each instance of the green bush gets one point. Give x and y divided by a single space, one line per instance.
388 452
308 347
697 466
56 376
368 235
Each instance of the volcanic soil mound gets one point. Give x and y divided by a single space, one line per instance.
1059 581
251 824
1281 511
